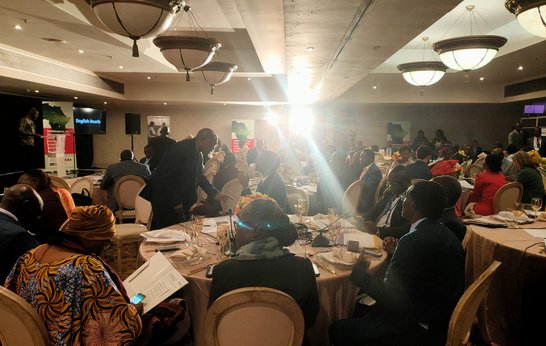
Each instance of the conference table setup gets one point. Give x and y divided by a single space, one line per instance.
513 312
193 256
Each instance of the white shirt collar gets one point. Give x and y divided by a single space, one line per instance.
2 210
416 223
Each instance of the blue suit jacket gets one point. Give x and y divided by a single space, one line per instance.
15 240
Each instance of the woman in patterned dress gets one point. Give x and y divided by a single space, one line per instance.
80 300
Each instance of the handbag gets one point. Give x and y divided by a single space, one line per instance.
83 198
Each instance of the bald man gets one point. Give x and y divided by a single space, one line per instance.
20 208
172 189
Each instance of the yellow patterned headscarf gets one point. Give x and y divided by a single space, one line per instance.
535 157
94 222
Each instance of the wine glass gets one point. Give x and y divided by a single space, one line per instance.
518 210
301 207
536 205
197 227
222 232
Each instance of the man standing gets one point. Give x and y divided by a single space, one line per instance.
160 145
20 208
126 166
254 153
537 142
420 169
28 135
515 137
172 189
370 178
422 284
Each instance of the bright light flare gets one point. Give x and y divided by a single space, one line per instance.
301 120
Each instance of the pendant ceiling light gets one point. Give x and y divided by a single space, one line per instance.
423 73
136 18
467 53
187 52
216 73
531 15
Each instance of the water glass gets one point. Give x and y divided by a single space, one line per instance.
536 205
222 233
197 227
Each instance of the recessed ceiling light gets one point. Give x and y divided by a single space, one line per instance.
148 77
120 67
310 49
75 97
36 91
248 78
482 78
18 27
105 102
165 103
520 68
374 87
81 51
224 104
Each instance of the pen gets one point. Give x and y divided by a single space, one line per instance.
167 249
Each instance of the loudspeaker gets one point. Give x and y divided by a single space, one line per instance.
132 124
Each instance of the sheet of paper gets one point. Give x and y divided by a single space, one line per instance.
210 224
536 232
157 279
364 239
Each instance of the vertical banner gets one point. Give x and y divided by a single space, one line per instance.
155 123
59 141
242 130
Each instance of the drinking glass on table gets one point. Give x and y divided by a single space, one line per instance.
222 233
197 227
536 205
300 208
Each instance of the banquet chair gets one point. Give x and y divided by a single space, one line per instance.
293 194
507 195
380 188
241 166
80 184
211 168
351 196
543 175
480 161
19 322
125 191
233 189
473 169
59 182
254 316
463 315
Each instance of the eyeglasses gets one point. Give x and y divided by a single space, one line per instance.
243 225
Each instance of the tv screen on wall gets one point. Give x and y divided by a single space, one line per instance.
89 121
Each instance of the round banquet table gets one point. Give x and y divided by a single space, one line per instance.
514 310
337 294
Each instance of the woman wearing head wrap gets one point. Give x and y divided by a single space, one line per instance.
80 300
528 175
263 230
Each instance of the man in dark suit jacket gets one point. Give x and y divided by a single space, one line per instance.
449 218
255 152
126 166
423 282
268 164
420 169
172 189
537 141
20 208
370 177
160 145
385 218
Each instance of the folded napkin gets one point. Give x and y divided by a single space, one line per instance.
508 215
165 235
188 253
344 255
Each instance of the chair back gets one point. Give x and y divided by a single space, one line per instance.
351 196
126 190
233 189
241 165
507 195
293 194
60 182
19 322
254 316
480 161
143 209
543 175
80 184
465 311
473 169
211 168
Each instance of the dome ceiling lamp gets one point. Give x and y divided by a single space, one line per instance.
136 19
423 73
216 73
468 53
187 52
531 15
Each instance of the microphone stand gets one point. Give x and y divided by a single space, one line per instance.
321 240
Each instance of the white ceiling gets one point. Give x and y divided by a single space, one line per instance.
357 46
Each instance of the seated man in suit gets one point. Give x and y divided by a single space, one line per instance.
385 218
148 155
20 208
449 217
370 177
420 169
126 166
423 282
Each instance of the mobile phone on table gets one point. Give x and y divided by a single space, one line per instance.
315 269
137 298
